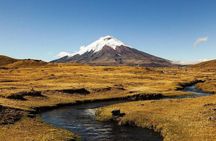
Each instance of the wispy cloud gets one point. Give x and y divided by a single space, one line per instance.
63 54
82 50
200 40
189 62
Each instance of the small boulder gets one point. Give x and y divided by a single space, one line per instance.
117 113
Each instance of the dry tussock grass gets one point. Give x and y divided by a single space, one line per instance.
52 79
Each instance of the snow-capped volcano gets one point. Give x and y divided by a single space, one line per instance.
111 51
99 44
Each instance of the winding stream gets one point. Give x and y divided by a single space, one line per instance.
80 119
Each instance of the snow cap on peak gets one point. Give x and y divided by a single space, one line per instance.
99 44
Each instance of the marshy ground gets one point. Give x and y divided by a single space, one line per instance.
24 91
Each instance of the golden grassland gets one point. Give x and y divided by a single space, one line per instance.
17 81
60 77
187 119
176 120
34 130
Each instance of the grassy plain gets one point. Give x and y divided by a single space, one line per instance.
27 87
187 119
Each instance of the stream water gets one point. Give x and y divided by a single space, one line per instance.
80 119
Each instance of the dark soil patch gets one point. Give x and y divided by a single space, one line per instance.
81 91
102 89
21 95
10 115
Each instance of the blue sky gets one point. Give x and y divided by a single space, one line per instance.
40 29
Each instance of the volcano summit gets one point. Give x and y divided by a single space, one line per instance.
109 51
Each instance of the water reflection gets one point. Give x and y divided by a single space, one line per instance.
81 120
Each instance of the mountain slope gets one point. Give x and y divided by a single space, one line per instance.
110 51
4 60
207 64
8 62
26 63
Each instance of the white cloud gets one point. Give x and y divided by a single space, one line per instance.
63 54
204 60
200 40
186 62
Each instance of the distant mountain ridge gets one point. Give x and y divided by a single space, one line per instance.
4 60
8 62
206 64
110 51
